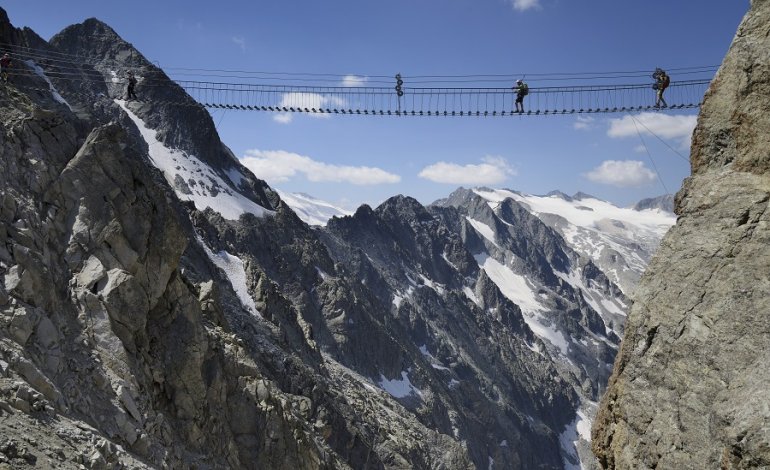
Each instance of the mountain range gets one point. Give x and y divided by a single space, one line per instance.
162 307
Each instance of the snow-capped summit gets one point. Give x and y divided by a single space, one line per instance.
311 210
619 240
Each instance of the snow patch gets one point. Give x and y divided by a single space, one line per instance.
433 285
513 286
518 289
322 273
443 255
399 388
235 176
236 274
578 430
484 229
312 211
472 296
41 73
193 180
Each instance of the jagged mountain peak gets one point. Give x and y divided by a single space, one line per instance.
425 336
664 203
560 194
580 195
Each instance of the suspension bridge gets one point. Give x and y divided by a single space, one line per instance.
446 96
385 101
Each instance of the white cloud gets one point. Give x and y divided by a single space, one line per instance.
665 126
628 173
309 101
583 123
239 41
354 80
493 170
283 118
278 166
523 5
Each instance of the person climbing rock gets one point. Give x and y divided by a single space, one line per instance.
522 90
662 81
131 84
5 66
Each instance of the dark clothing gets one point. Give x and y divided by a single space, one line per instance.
522 90
663 81
131 84
5 65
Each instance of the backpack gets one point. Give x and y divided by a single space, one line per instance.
665 82
524 89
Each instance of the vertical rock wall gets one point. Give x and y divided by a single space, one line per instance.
690 386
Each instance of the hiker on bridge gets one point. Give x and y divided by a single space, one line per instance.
662 81
131 84
522 90
5 66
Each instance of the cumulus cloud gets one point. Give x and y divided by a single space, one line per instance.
309 101
623 174
492 170
523 5
677 127
278 166
283 118
583 123
354 80
240 41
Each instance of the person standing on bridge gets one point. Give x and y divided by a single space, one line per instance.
662 81
131 84
522 90
5 66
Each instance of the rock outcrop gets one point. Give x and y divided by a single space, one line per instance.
689 387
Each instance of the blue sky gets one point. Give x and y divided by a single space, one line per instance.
349 160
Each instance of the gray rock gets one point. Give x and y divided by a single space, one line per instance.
23 324
688 388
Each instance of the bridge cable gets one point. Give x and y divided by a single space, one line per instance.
649 155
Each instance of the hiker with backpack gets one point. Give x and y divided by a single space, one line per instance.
662 81
5 66
522 90
131 84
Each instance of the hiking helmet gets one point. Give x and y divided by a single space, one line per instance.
519 81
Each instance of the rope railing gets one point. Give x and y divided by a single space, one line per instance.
384 101
284 96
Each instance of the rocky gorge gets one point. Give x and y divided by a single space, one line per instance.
162 307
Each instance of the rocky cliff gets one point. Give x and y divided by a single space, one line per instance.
689 387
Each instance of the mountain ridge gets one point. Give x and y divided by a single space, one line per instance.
193 318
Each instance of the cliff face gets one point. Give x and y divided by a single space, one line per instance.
689 387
